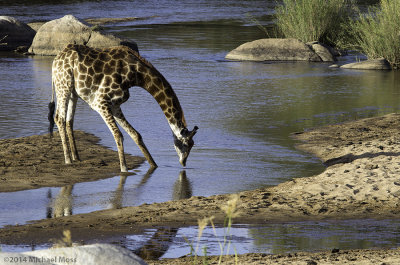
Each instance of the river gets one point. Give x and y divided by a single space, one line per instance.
246 111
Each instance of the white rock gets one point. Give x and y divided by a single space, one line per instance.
97 254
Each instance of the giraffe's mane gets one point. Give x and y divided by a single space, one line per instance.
148 64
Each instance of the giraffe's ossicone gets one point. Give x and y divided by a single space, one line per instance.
102 78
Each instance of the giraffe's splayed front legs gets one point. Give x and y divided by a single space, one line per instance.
137 138
108 118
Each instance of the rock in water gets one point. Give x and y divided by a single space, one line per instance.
375 64
14 33
55 35
274 49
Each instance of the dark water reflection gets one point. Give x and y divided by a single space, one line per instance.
246 111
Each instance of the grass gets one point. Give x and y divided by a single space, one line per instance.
230 210
377 33
65 241
312 20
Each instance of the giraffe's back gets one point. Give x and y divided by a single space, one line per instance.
105 74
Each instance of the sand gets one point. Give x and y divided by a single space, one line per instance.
361 181
38 161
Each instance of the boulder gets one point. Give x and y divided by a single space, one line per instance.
97 254
36 25
325 52
53 36
102 40
14 33
274 49
374 64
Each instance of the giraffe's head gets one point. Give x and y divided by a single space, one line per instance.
184 144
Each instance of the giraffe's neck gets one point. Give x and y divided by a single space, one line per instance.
154 82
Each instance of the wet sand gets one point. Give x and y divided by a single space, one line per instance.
38 161
361 181
339 257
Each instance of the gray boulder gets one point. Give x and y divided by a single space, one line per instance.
324 52
97 254
274 50
14 33
374 64
36 25
103 40
53 36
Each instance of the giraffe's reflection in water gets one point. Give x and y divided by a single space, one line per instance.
160 242
116 200
62 205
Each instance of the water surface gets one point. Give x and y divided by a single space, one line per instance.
246 111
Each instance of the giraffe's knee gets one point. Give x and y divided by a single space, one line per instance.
119 138
136 136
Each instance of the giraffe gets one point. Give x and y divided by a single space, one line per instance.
102 78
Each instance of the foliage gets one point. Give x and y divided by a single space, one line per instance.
230 210
376 33
65 241
313 20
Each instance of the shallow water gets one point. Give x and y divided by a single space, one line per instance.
246 111
269 239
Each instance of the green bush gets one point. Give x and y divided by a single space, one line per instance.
377 33
313 20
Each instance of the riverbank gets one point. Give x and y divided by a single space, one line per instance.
339 257
38 161
360 181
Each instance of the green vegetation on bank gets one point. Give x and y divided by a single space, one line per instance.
312 20
340 24
377 33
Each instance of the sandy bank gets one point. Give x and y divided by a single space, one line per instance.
38 161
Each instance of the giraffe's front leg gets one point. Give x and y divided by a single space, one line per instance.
118 137
119 116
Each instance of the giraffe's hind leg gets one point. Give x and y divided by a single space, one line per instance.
60 118
70 126
119 116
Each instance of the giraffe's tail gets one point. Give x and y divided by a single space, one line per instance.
52 106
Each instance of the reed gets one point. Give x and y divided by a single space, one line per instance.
65 241
377 32
312 20
231 211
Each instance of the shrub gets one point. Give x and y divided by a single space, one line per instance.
377 33
312 20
